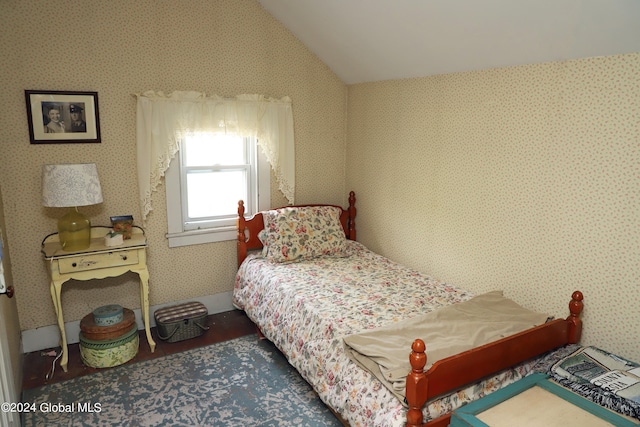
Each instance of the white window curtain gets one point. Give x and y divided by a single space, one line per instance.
162 120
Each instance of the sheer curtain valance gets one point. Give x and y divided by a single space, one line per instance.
162 120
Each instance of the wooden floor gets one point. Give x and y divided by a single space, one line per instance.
222 327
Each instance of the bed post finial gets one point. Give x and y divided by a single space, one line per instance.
242 240
417 384
575 308
352 215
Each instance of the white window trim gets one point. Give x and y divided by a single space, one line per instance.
177 237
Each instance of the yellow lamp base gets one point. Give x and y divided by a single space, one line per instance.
74 230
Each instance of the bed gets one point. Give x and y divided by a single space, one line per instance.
309 295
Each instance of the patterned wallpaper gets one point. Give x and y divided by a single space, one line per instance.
525 179
120 47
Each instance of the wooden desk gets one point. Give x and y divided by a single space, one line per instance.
96 262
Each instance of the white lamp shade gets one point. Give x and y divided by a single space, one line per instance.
70 185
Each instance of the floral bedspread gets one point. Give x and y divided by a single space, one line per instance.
305 309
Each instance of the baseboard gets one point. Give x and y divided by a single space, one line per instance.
49 336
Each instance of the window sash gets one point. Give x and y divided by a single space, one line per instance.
197 211
185 230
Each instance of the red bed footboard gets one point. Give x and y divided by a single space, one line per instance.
454 372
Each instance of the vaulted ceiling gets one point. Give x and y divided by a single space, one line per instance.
373 40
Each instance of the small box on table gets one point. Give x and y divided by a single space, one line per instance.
122 224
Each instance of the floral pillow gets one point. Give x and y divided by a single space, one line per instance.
262 235
300 233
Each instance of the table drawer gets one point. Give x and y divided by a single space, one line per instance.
96 261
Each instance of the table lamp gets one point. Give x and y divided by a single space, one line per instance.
70 186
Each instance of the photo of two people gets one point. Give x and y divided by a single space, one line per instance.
63 117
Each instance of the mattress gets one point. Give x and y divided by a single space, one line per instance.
306 308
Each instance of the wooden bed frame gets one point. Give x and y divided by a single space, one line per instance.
248 229
453 373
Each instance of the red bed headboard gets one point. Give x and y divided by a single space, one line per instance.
248 228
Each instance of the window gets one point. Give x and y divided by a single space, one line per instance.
204 182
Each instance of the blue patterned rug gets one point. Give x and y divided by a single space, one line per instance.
242 382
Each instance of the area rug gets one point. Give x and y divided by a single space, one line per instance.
241 382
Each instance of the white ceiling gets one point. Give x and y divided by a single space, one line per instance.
373 40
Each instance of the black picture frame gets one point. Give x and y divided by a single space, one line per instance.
62 117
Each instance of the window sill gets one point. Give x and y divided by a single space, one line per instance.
197 237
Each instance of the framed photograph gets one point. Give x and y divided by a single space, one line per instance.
61 117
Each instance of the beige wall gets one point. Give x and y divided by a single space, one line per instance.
121 47
525 179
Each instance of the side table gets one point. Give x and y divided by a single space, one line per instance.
96 262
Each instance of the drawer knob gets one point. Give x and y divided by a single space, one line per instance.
124 257
74 264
